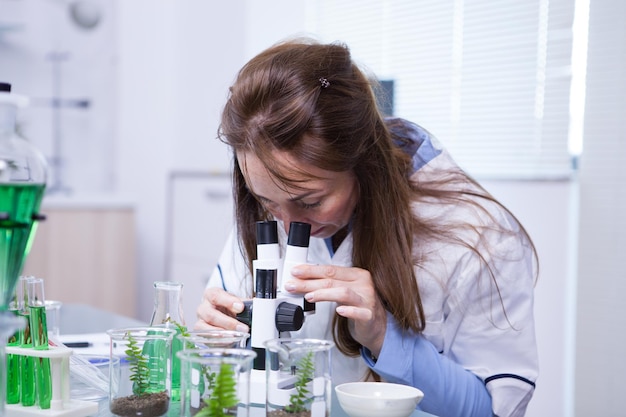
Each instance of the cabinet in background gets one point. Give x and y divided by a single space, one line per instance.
200 217
87 255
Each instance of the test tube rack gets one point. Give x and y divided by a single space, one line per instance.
61 405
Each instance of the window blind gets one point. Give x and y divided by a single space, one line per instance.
490 79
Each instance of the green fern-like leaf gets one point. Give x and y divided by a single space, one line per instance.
224 394
139 369
304 371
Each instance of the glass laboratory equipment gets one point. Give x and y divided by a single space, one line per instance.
298 373
26 371
23 174
39 335
140 385
168 312
215 338
215 382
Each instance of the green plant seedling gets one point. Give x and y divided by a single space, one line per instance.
304 372
223 395
139 369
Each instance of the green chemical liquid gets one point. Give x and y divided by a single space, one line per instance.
157 353
27 372
39 327
43 381
18 203
177 346
13 370
43 375
155 349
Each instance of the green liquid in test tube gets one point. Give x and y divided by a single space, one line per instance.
27 363
39 334
27 380
13 368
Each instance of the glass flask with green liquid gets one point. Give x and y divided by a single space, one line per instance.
22 185
168 312
23 175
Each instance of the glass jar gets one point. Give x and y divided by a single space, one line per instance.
140 382
215 378
298 377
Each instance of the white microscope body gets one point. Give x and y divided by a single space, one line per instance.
273 312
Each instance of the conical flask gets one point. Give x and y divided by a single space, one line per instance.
23 174
168 312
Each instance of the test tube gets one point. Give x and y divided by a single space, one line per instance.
14 361
39 334
27 363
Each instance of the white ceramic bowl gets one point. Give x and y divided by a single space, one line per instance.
377 399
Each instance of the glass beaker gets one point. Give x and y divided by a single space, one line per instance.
140 385
53 315
298 377
203 339
215 378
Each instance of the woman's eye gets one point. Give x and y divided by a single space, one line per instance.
310 206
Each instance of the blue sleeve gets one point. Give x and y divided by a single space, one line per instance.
449 389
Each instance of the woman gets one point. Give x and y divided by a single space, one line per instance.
419 275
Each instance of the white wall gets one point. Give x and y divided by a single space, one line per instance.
46 55
601 320
548 211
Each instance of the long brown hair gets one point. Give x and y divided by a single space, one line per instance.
311 100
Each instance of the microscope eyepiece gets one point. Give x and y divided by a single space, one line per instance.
266 232
299 234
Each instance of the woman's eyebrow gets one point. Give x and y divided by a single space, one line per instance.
303 196
294 198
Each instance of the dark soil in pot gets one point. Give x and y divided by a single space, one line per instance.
145 405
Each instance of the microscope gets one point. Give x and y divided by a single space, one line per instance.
274 312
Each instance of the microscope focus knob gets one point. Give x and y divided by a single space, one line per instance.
246 315
289 317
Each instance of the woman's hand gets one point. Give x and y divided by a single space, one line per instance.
218 310
353 291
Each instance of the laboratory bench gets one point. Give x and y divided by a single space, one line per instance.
80 322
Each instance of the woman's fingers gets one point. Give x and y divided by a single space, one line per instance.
218 310
355 313
353 291
350 286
